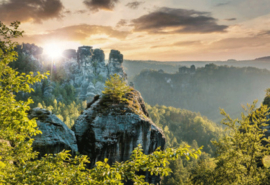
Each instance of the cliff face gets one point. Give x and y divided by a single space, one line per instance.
55 137
108 130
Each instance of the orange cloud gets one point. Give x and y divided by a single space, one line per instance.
76 33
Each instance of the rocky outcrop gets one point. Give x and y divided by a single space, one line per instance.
85 69
115 64
112 130
87 72
55 137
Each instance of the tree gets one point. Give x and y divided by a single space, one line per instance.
16 129
116 88
266 100
20 165
240 152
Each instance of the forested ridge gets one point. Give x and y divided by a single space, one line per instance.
134 67
205 89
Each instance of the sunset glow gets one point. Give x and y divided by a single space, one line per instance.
150 30
53 50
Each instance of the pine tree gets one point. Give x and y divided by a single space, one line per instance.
240 152
116 88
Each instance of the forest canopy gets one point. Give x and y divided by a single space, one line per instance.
204 89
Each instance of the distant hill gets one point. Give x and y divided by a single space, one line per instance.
134 67
205 89
267 58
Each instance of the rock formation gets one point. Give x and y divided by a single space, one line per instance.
88 71
113 130
85 69
55 137
115 64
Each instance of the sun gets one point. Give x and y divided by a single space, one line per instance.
53 50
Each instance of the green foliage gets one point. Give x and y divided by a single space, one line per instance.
61 169
183 169
68 113
240 153
180 125
16 129
116 88
66 94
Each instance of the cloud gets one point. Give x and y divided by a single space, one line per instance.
231 19
180 44
67 12
265 32
76 33
30 10
80 11
121 23
187 43
96 5
134 4
223 4
240 43
175 21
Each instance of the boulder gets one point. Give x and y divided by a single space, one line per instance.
55 137
112 130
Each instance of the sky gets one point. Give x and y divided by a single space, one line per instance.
162 30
